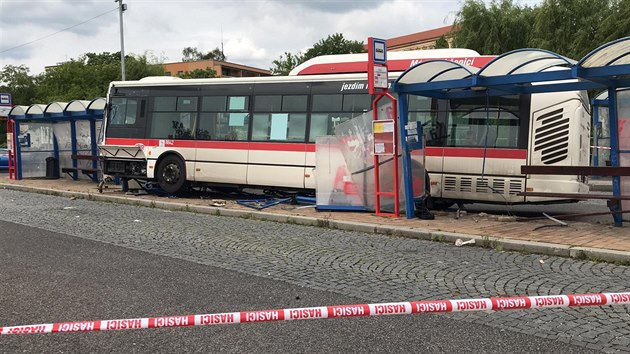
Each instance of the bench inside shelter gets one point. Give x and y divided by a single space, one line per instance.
602 171
91 172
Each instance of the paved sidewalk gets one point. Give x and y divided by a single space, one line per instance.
577 240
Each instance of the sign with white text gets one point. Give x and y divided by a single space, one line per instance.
5 99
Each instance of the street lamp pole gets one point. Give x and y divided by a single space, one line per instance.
121 8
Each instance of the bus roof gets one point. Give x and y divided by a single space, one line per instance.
175 81
396 61
329 68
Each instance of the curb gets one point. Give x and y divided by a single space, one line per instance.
543 248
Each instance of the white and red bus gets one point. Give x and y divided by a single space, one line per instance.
260 132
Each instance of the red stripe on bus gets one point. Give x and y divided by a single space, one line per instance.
233 145
299 147
392 65
520 154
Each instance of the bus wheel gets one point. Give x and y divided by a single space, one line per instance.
171 174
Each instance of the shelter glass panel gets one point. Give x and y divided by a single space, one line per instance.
623 117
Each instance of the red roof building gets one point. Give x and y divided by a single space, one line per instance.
420 40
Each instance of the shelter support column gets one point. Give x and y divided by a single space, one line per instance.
615 205
403 108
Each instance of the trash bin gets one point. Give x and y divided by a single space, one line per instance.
52 168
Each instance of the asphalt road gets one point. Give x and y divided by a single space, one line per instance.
85 260
48 277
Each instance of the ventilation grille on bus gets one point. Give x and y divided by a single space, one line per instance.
482 185
551 137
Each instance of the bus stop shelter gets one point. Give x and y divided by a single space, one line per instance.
528 71
61 133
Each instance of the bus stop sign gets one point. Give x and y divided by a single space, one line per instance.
377 65
5 99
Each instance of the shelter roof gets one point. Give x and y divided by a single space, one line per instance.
524 61
60 110
521 71
612 53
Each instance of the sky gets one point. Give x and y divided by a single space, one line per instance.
39 33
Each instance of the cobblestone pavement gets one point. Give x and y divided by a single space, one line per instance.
373 267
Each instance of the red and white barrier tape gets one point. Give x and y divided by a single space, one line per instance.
394 308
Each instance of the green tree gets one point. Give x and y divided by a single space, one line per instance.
139 66
499 28
89 76
333 44
441 43
286 63
193 54
17 81
570 27
617 24
198 74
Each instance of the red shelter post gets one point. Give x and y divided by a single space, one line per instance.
383 130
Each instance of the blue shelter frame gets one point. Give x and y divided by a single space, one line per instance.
605 68
72 112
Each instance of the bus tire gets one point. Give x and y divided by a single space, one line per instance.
171 174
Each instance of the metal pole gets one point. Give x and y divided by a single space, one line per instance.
615 205
594 130
403 111
121 8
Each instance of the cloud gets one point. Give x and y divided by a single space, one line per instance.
17 53
253 32
55 15
331 6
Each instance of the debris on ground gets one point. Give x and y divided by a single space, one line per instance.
460 243
260 204
218 203
460 213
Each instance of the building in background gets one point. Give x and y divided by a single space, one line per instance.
223 68
421 40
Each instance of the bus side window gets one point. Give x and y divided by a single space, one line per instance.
331 110
223 118
279 118
473 124
173 117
